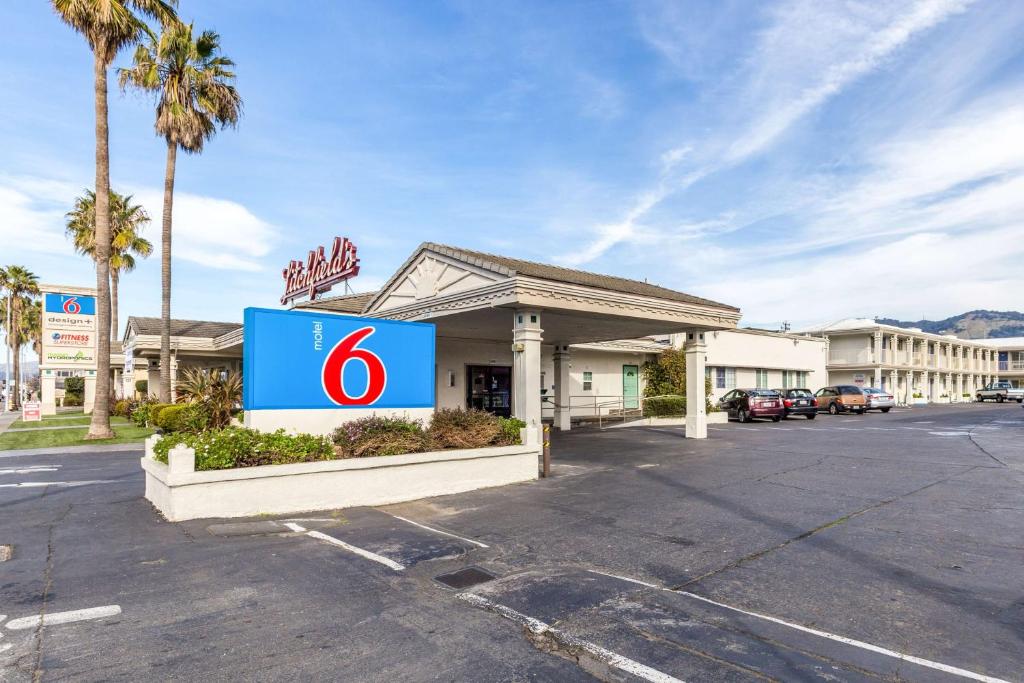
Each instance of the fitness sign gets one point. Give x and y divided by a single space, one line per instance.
310 360
69 330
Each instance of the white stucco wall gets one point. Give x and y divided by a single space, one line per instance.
747 351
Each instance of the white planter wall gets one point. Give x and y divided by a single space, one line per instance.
181 493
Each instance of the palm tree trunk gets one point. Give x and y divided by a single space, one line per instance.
165 275
115 276
16 337
99 428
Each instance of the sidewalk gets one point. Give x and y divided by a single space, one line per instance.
7 419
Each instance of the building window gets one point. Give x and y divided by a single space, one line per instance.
794 379
762 378
730 378
588 381
719 378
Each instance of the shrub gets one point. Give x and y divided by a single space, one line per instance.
510 435
74 385
73 399
235 447
142 386
665 406
455 428
183 417
122 408
373 436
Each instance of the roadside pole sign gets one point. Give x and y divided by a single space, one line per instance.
31 411
311 360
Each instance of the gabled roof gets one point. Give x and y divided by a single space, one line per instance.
346 303
512 267
182 328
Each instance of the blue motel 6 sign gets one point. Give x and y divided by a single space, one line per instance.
310 360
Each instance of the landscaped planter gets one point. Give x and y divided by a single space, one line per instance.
180 493
919 401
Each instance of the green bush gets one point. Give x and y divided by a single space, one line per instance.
73 400
235 447
510 435
74 385
665 406
183 417
142 386
373 436
122 408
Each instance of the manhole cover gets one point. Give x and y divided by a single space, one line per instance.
464 578
6 552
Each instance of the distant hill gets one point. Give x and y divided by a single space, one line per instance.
970 325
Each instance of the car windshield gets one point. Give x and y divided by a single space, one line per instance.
799 393
871 390
763 392
850 390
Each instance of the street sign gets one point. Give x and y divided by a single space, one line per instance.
31 411
311 360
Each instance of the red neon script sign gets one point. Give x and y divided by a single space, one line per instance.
344 352
319 273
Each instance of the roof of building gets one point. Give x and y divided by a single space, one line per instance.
543 271
182 328
1001 342
346 303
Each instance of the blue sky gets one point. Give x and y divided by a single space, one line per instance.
805 161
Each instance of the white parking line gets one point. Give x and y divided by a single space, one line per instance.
351 548
56 618
538 627
938 666
58 484
31 470
438 531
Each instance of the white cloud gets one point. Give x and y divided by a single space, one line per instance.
217 233
811 51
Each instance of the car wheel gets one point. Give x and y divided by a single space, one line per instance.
776 418
999 399
1020 400
833 409
811 416
741 416
886 410
980 398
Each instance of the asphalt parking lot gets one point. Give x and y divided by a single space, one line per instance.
883 547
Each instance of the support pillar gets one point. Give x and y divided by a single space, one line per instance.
696 396
48 392
526 338
878 378
89 398
562 385
894 385
153 379
926 389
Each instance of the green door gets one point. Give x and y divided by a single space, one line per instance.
630 387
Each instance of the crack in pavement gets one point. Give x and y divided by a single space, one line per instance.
37 670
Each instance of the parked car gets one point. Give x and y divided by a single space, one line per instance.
1000 391
879 400
841 399
798 402
747 404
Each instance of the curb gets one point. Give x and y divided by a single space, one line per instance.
71 450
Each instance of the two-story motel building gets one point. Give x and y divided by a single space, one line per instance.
907 361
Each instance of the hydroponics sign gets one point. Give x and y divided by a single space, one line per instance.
319 273
308 360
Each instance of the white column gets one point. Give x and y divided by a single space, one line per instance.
696 397
562 384
89 399
878 377
925 386
526 338
894 385
48 392
152 379
909 393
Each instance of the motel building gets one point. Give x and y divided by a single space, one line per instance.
907 361
1009 358
519 338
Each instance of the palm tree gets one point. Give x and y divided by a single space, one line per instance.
108 26
21 285
126 221
193 83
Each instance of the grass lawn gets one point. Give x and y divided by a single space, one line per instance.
48 438
64 421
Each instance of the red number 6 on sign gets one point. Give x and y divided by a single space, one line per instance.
344 352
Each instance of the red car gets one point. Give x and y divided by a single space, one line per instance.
747 404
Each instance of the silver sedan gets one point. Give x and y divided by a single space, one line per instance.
878 399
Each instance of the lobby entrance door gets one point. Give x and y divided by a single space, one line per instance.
489 387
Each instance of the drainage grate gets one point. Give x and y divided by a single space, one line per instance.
6 552
464 578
